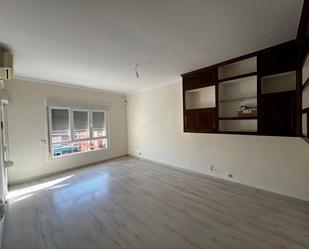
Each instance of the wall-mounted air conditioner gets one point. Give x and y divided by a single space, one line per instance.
6 65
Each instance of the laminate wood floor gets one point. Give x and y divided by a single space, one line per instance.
129 203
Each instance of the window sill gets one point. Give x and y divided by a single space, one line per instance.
50 157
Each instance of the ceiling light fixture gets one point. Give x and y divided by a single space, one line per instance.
136 71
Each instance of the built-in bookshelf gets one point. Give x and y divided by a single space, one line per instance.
254 94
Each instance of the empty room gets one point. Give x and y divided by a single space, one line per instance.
176 124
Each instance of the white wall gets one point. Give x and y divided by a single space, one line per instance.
27 126
155 127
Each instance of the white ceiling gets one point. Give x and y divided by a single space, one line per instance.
96 43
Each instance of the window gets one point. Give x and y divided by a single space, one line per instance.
76 130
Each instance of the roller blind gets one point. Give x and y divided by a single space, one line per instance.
98 120
60 119
80 120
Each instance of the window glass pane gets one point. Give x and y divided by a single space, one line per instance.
60 136
80 121
60 119
62 149
82 146
60 125
98 124
99 144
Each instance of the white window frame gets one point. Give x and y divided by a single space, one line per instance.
71 129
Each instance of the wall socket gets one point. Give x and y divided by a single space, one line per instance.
230 175
139 152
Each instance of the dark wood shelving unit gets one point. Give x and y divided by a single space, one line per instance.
259 76
242 76
237 118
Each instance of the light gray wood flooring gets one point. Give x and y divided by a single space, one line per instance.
129 203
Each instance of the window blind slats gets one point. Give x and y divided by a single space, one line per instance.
80 119
60 119
98 120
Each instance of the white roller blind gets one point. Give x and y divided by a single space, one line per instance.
80 120
98 120
60 119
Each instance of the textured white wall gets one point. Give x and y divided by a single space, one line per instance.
27 126
155 127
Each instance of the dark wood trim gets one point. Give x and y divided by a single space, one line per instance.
243 57
306 139
306 110
238 118
242 76
239 132
199 109
217 106
306 84
308 124
299 96
183 107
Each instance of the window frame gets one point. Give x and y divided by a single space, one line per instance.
71 129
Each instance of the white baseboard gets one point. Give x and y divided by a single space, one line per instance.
219 179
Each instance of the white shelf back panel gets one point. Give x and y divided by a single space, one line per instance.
305 99
279 83
238 125
238 68
201 98
306 70
304 124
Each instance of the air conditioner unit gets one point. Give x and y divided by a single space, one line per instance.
6 65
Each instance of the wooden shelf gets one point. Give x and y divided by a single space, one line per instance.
200 109
238 99
239 132
306 84
246 75
306 110
237 118
306 139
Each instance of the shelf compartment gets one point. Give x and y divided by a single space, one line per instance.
236 93
282 82
201 98
238 68
238 125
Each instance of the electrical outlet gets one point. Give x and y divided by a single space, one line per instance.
139 152
230 175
